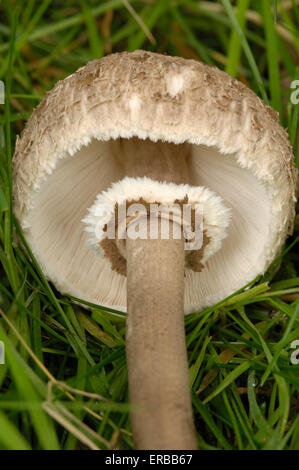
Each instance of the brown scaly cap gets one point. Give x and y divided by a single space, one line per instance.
210 94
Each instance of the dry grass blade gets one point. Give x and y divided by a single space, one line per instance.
65 423
139 20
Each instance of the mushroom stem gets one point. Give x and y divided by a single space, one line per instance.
156 350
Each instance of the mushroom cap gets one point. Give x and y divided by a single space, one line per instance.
238 150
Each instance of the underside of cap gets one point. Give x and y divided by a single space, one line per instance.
144 193
238 150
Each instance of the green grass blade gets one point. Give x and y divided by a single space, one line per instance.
255 71
10 436
272 55
234 50
42 425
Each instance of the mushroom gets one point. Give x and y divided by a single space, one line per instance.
126 143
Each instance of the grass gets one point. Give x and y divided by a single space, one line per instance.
64 384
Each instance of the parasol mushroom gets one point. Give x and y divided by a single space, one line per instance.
145 130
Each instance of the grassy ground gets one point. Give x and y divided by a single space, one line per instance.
64 384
